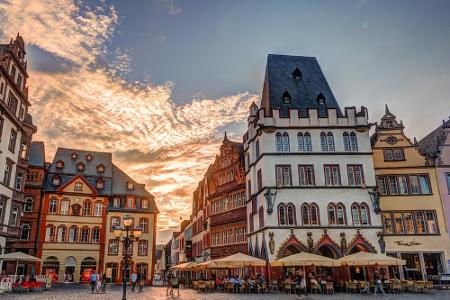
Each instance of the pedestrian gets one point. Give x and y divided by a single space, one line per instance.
169 284
133 281
141 281
378 283
98 285
104 283
175 284
93 280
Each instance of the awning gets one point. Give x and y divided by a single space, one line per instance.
305 259
18 256
370 259
184 267
238 260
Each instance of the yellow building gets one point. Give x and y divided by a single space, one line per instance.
412 213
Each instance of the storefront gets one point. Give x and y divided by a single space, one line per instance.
419 265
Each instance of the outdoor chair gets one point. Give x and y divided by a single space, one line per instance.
262 288
244 288
195 285
201 286
419 286
288 287
210 285
229 287
315 289
429 288
273 286
351 286
396 287
329 288
407 285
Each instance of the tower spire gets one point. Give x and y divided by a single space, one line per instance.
386 109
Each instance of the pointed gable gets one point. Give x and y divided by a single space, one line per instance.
78 184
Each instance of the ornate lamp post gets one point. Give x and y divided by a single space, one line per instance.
127 235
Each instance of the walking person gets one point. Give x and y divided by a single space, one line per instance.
141 280
98 285
169 284
378 283
93 281
133 281
104 279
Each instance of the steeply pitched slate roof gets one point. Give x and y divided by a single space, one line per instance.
70 165
429 145
65 178
303 91
36 156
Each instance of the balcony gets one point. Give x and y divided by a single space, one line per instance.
229 217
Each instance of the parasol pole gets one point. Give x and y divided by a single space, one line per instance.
17 265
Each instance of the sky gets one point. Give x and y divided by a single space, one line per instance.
158 82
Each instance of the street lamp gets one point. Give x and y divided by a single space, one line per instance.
127 235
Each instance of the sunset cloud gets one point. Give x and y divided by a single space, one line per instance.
89 105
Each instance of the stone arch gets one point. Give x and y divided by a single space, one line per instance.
358 244
291 246
88 265
326 244
50 266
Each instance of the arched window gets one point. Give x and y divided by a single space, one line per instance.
340 214
28 207
49 233
61 234
300 142
353 142
87 206
355 215
331 214
305 214
59 164
365 219
25 229
346 138
80 166
291 214
286 147
278 142
95 235
323 142
100 168
281 214
308 144
73 234
56 180
330 142
143 223
84 236
53 207
314 214
76 208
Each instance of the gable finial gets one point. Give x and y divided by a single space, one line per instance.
225 138
386 109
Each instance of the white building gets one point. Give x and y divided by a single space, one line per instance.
309 168
16 130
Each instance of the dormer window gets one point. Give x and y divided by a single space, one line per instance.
80 166
74 155
59 164
320 99
100 184
116 202
56 180
286 97
130 185
100 168
144 203
78 186
297 74
89 157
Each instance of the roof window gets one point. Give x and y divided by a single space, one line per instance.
320 99
297 74
286 97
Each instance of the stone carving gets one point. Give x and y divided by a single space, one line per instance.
310 241
270 200
343 242
271 243
375 197
381 242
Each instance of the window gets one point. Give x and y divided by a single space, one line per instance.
59 164
331 215
398 154
286 147
259 179
424 184
404 185
19 81
98 209
12 103
100 168
28 207
12 140
113 247
143 223
74 155
305 214
323 142
116 202
291 214
100 184
278 142
314 214
142 248
431 222
23 150
130 249
306 175
283 175
144 203
8 171
19 181
355 175
130 202
56 180
87 206
80 166
393 154
353 142
340 211
1 125
78 186
49 233
130 185
61 234
84 237
281 215
387 223
420 222
25 231
286 97
73 234
64 210
89 157
300 142
364 209
115 222
76 209
257 148
346 139
398 223
407 222
332 175
96 235
355 215
53 207
320 99
2 208
393 185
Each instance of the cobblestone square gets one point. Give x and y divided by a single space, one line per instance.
83 292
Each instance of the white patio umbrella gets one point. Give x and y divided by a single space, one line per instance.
17 257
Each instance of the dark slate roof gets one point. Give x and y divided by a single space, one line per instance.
429 145
36 157
49 187
70 165
303 91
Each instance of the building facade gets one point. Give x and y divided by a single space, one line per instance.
16 130
413 217
309 168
